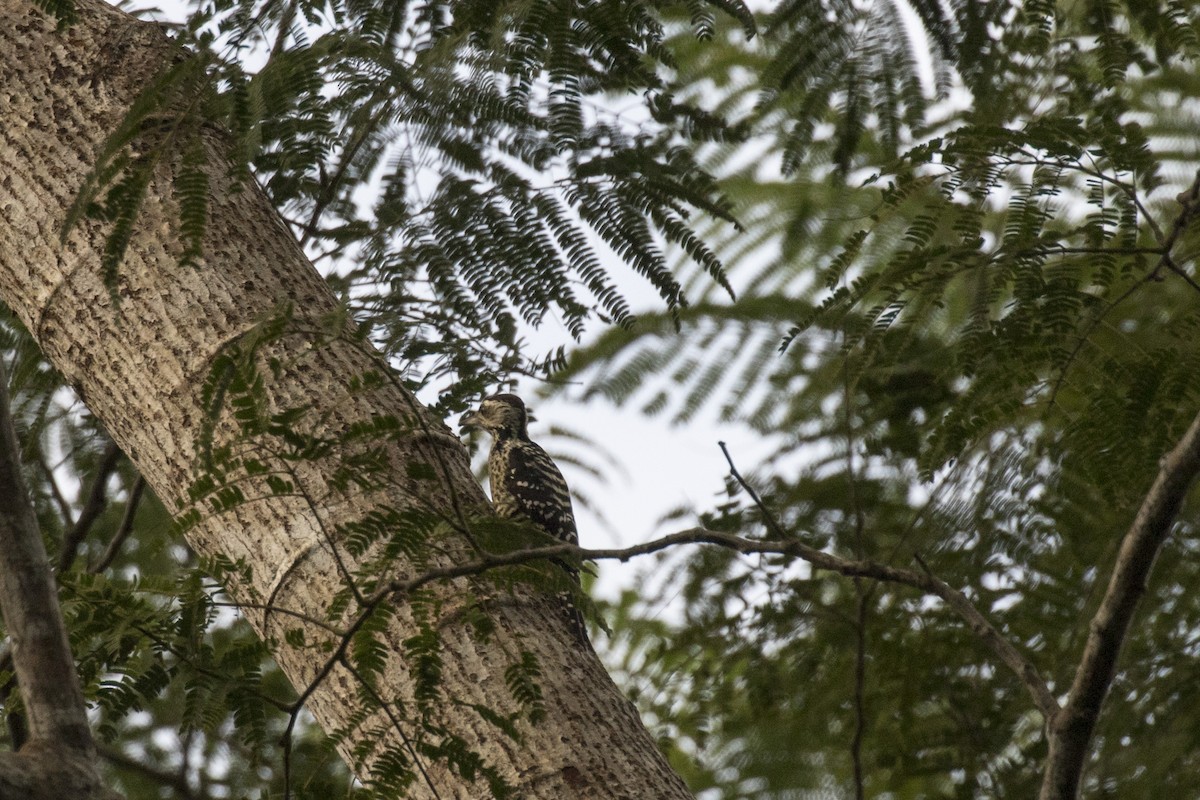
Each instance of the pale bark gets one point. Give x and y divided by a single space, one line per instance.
139 365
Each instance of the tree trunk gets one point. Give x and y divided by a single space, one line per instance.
139 357
59 758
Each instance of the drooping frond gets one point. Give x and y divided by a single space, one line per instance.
515 151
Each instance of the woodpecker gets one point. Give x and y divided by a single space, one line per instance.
526 484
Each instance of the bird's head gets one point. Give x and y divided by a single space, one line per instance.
500 415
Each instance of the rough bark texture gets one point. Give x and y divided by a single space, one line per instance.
29 598
139 365
59 759
45 771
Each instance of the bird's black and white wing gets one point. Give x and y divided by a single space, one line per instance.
526 483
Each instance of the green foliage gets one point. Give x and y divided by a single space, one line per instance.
854 61
164 125
63 10
161 665
521 678
963 307
502 178
969 329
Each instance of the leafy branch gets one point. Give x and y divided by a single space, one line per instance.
1072 728
790 547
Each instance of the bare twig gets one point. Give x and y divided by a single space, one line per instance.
863 594
64 507
860 679
737 476
288 612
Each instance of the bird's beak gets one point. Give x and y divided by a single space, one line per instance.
469 420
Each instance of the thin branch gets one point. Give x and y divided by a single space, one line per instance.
927 582
1171 265
164 777
326 533
284 29
1128 190
737 476
185 754
97 499
863 595
124 529
1086 335
333 660
276 609
793 548
1189 201
64 507
1055 249
860 676
186 658
396 725
1072 730
332 183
